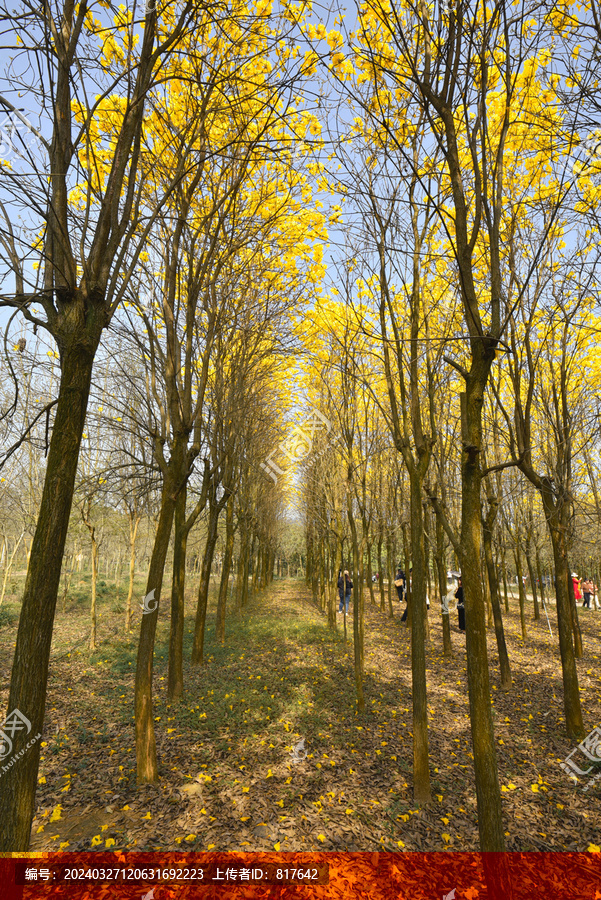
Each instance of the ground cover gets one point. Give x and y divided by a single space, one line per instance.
234 775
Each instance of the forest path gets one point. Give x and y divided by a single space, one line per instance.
228 777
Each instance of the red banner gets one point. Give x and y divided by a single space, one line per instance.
377 876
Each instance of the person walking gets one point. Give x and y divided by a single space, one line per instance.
399 583
446 600
460 606
576 583
345 586
586 592
348 586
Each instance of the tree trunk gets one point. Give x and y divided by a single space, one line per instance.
146 754
571 693
487 525
360 602
578 648
309 566
134 521
532 577
505 594
390 566
225 571
271 565
67 581
175 674
334 588
488 795
539 573
521 591
381 575
243 565
486 590
314 576
203 587
357 610
372 595
85 514
442 584
256 563
421 770
34 637
117 574
94 585
323 577
408 587
9 564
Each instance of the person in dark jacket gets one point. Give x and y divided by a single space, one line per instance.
401 590
460 606
399 583
345 586
348 586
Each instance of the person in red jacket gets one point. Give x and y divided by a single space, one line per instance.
576 583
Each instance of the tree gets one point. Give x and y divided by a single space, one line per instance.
83 202
466 73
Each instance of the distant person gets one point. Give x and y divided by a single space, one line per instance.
586 592
449 596
460 605
576 583
399 583
408 590
340 589
348 586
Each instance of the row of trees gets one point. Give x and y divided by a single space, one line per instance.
168 240
164 238
465 332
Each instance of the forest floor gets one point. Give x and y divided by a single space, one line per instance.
228 779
